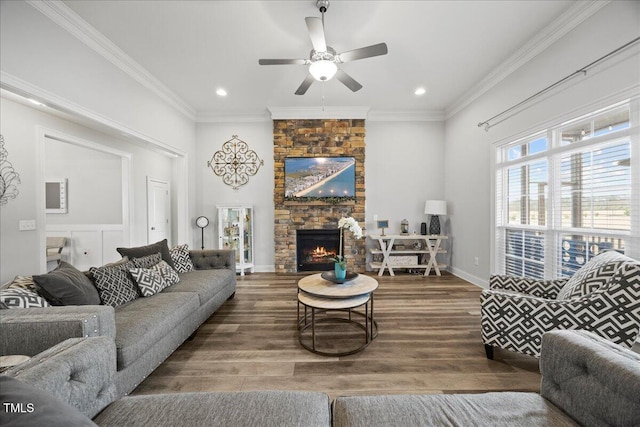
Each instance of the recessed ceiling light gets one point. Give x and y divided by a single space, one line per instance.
221 92
420 91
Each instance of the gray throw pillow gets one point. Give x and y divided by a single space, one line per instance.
140 251
66 285
24 405
147 261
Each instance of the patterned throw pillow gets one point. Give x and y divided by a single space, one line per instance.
147 261
149 281
114 283
24 282
591 276
21 293
181 259
168 274
21 298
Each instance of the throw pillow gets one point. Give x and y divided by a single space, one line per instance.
23 294
147 261
24 282
591 276
149 281
181 259
21 298
168 274
25 405
66 285
140 251
114 283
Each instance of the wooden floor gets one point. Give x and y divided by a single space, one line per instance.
429 342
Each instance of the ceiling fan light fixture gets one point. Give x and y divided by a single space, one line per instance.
323 70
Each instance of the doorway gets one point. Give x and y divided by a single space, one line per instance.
158 210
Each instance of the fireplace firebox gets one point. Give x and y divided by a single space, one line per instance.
315 248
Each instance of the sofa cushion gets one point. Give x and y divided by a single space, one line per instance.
206 283
25 405
595 273
143 322
257 408
140 251
66 285
181 258
501 409
114 283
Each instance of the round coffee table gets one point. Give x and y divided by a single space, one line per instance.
322 296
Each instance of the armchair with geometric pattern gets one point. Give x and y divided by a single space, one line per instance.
602 297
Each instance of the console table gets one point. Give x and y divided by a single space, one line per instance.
426 255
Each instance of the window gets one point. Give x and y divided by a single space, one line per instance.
568 193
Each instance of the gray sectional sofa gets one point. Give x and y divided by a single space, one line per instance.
586 380
144 331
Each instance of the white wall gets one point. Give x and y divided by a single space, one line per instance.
404 167
41 57
469 148
91 176
19 250
258 192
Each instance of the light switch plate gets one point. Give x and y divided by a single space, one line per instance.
27 224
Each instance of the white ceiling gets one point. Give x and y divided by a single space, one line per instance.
195 47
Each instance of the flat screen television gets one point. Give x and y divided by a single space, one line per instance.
319 177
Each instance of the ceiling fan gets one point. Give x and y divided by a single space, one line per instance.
323 59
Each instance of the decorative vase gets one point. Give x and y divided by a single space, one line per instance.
340 271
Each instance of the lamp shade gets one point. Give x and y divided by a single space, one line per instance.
323 70
435 207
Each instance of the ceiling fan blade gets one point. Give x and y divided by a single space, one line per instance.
364 52
282 61
348 81
316 32
305 85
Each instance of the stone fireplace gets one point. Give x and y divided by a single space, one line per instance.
316 138
315 248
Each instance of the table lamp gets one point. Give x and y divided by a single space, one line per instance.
435 208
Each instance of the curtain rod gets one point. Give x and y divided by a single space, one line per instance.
582 71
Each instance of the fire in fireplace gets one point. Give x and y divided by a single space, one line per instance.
314 248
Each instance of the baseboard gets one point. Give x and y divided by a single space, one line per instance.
265 269
482 283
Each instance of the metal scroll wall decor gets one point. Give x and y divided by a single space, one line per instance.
235 163
9 178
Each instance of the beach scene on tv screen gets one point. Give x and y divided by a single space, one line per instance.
320 177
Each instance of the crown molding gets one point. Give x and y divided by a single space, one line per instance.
570 19
226 117
406 116
70 21
292 113
82 115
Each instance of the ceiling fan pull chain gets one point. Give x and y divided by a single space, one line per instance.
322 95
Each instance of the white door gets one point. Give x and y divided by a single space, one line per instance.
158 210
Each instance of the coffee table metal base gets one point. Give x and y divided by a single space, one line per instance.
314 305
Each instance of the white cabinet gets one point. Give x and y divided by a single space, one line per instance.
422 255
235 231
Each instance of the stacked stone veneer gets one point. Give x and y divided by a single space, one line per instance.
316 138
